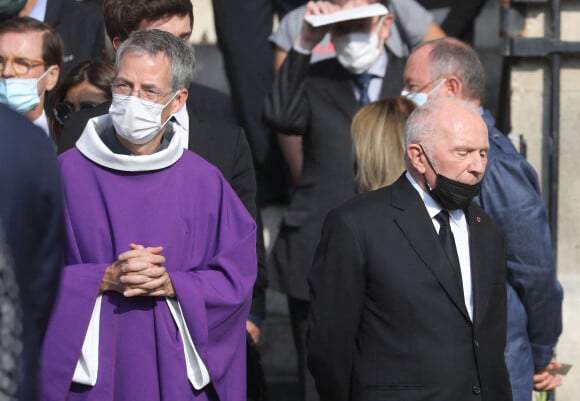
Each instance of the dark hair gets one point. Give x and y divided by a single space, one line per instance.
96 72
124 16
52 46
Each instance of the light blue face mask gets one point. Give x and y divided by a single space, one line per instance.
421 98
20 94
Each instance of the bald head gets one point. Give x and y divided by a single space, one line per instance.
450 60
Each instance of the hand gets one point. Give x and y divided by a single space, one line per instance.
139 272
253 330
309 35
544 380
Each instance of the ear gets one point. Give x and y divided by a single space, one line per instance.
385 29
414 153
116 42
179 101
454 86
52 77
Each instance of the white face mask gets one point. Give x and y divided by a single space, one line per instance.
136 120
421 98
20 94
357 51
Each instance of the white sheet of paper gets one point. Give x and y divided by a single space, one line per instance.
372 10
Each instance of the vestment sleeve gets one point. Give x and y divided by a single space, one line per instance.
215 298
336 298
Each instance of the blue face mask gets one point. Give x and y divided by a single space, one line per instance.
421 98
20 94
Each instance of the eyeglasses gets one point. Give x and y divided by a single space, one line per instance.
125 90
62 110
20 65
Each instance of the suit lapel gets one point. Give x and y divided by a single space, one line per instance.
341 92
393 80
416 225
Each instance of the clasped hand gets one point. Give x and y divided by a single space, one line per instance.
139 272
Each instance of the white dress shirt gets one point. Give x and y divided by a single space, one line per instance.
458 224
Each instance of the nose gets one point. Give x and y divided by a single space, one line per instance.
477 164
8 70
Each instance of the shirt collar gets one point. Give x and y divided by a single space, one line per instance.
42 122
433 208
380 66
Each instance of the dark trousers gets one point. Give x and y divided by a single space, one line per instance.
298 310
243 28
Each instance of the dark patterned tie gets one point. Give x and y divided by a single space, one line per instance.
361 83
448 242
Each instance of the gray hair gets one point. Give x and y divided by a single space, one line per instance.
450 56
421 123
180 55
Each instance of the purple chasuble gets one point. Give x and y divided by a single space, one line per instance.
209 245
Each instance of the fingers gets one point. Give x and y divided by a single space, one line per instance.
139 284
253 330
142 255
546 382
152 249
142 276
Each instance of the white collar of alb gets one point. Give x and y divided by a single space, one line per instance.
92 147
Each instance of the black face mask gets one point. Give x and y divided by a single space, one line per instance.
451 194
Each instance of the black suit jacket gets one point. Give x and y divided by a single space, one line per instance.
387 319
81 26
317 102
31 225
222 144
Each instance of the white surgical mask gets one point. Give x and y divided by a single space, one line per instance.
136 120
20 94
357 52
420 98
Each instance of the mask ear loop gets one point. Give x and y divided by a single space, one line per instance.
165 105
430 165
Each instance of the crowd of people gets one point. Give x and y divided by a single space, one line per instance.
414 247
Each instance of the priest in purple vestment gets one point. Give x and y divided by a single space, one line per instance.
160 252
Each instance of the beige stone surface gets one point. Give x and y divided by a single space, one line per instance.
203 26
527 99
530 87
570 29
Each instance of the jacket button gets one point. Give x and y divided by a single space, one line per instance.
476 390
476 343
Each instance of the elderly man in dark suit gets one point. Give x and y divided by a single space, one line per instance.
408 295
510 194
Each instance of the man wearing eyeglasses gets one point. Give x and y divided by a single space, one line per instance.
31 55
160 253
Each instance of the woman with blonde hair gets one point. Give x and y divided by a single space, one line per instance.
378 141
